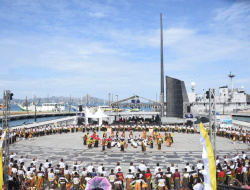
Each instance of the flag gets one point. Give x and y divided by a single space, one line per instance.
1 158
208 160
1 169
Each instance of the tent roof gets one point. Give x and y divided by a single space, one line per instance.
100 114
88 113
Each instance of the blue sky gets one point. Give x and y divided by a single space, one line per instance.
108 46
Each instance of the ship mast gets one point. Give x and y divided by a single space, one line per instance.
231 76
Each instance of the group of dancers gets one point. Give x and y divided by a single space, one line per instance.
118 140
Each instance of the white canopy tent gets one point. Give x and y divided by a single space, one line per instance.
100 115
88 115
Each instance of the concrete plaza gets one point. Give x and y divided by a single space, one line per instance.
186 148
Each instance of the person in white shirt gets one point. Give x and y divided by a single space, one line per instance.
62 165
157 169
132 168
90 168
77 165
29 173
199 165
76 182
198 185
84 172
14 170
235 158
22 159
103 173
117 167
243 155
46 164
188 167
12 155
32 167
51 177
217 161
172 168
99 169
34 161
142 167
225 158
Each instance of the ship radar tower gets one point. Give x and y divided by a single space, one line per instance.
231 76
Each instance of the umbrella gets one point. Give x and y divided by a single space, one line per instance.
98 183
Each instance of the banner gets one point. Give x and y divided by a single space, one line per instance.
208 160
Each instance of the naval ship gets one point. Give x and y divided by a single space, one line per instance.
228 100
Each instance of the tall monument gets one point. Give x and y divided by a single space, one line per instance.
162 74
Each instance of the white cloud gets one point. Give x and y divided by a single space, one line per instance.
106 57
97 14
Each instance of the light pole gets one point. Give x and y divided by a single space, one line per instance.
117 106
70 102
109 99
36 104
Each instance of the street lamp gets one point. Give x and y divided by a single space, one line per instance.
117 105
109 99
36 104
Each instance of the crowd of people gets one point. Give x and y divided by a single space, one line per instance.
38 176
235 134
234 171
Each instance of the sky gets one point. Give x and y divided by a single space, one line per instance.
96 47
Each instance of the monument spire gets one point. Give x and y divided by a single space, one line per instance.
162 74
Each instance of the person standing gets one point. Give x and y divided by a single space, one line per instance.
168 178
117 167
132 168
118 183
111 178
62 165
129 178
67 173
143 146
151 143
185 179
159 143
40 179
142 168
90 168
138 182
177 178
157 168
161 182
83 176
76 182
99 169
51 177
103 144
122 146
109 143
62 181
148 177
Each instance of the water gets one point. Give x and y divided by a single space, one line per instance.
244 118
14 123
32 120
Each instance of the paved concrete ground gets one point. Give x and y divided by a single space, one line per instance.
186 148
